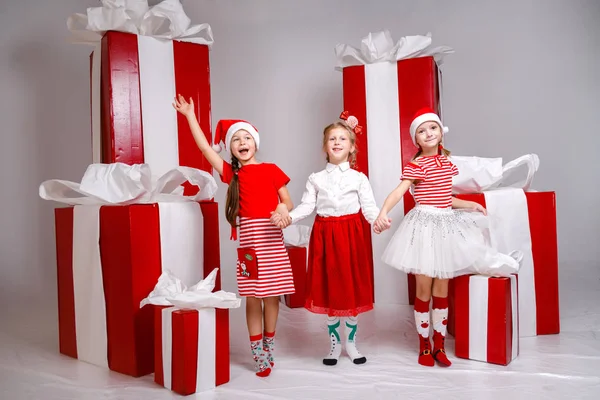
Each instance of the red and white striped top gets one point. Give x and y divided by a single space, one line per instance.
433 180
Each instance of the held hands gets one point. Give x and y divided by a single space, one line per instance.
182 106
281 217
382 223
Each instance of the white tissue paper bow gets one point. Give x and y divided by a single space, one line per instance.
379 47
165 20
170 291
124 184
478 174
297 235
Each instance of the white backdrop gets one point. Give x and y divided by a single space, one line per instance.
523 79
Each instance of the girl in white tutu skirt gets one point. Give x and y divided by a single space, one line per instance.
435 241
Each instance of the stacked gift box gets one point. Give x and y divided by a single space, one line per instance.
384 84
112 249
525 221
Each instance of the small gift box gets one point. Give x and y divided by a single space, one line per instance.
297 238
191 334
298 256
485 318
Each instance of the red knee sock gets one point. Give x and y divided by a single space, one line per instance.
422 323
440 320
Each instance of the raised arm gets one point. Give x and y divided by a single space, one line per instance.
187 109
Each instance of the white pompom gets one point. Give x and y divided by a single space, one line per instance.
217 147
445 129
352 121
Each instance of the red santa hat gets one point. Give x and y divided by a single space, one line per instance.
425 115
226 128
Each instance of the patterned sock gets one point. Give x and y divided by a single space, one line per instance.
269 347
351 327
439 315
422 323
333 325
261 366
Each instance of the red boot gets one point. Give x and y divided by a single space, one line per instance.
439 351
425 357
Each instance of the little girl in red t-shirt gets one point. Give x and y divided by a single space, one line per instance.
255 191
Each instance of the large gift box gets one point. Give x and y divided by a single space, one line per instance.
110 254
485 319
384 84
519 219
191 348
143 57
526 221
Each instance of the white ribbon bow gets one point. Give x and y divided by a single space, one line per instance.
124 184
170 291
479 174
166 20
379 47
297 235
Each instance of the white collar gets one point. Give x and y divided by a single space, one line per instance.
345 166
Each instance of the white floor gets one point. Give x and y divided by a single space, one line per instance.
565 366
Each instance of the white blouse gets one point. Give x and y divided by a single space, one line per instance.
337 190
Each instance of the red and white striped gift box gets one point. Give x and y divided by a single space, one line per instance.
384 97
526 221
486 322
109 259
298 259
134 81
191 349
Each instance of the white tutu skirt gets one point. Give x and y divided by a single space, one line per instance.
445 243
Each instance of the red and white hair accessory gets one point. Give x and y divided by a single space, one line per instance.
425 115
226 128
352 122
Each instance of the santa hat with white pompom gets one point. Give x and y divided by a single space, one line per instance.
425 115
226 128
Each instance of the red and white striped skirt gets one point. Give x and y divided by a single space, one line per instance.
274 269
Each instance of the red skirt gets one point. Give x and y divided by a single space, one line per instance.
338 278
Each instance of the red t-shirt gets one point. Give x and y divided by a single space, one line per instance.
259 184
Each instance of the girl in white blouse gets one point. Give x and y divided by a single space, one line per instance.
339 280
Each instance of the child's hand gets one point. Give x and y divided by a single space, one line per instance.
478 207
281 216
275 218
183 106
381 223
